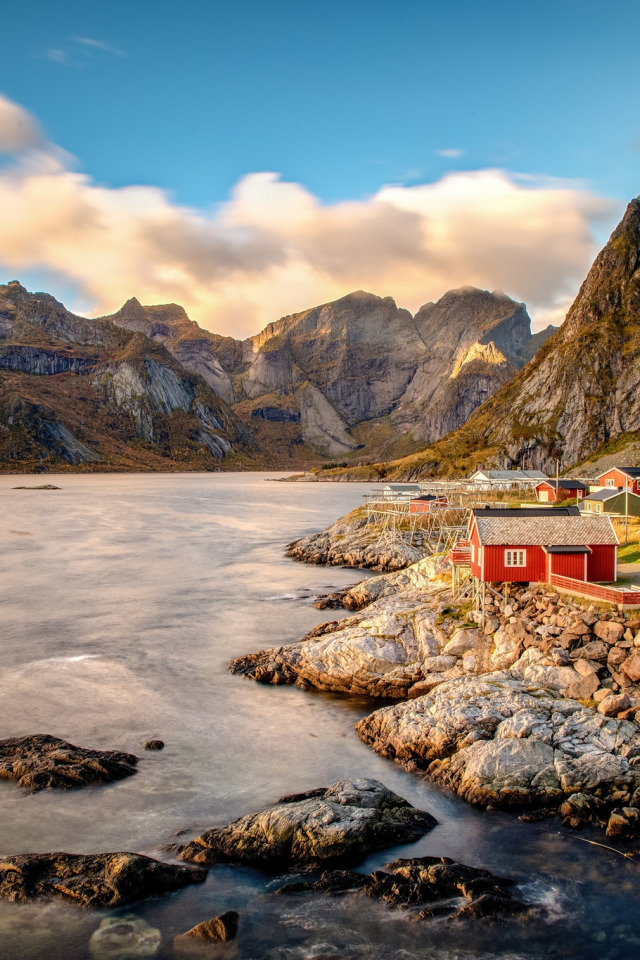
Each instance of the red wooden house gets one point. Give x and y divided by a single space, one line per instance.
424 503
620 477
554 491
521 545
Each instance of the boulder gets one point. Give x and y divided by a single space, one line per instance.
381 653
124 938
608 630
346 820
92 880
461 642
220 929
614 704
499 740
436 881
40 761
631 667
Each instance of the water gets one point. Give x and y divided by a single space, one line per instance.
122 598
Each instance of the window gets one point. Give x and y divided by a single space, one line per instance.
515 558
473 553
609 483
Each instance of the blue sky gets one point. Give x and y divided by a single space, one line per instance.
341 98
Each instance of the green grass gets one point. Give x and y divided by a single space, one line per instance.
629 553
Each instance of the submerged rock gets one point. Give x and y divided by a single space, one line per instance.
92 880
346 820
498 740
124 938
40 761
437 881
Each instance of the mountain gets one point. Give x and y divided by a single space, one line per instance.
89 394
355 376
579 397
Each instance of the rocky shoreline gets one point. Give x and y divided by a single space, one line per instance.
353 542
534 712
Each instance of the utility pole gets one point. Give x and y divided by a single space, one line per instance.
557 478
626 511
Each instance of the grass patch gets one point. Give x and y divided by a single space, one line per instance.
629 553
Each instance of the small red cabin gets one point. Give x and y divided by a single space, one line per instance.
621 477
554 491
424 503
521 545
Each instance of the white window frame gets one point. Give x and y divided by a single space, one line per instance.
609 482
515 558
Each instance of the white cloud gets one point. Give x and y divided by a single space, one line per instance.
18 129
451 152
273 248
98 45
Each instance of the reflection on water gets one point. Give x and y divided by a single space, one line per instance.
122 599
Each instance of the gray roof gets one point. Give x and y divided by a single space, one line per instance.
402 486
606 493
510 474
566 484
545 531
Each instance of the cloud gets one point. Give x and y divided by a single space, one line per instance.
273 248
18 130
99 45
451 152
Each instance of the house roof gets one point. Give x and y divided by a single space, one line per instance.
629 471
545 531
425 496
402 486
607 493
509 475
519 512
563 484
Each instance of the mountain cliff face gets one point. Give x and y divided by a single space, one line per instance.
76 391
580 392
358 374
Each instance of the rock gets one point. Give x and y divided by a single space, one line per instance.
600 694
595 650
614 704
124 938
579 809
608 630
631 667
462 642
420 880
346 820
153 744
381 653
40 761
624 823
617 656
92 880
583 688
586 667
218 930
352 542
502 741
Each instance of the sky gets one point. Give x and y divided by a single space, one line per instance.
253 159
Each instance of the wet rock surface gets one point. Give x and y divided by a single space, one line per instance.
40 761
93 880
124 938
343 821
499 741
437 884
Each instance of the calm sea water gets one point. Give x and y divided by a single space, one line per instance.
121 600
